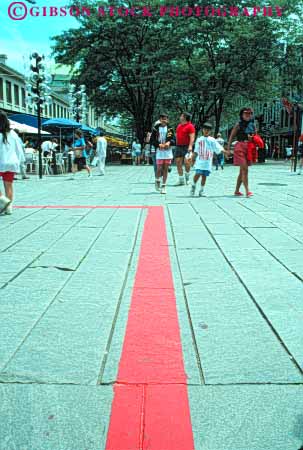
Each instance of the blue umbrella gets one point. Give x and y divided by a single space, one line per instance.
61 123
90 130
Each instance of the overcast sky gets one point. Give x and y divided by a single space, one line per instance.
19 38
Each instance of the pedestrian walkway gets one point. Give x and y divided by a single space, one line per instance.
131 320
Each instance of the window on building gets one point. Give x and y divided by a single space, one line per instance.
1 88
23 98
8 92
16 95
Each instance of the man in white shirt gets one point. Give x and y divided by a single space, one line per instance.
46 147
101 152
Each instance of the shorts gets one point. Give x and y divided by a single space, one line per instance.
138 153
160 162
180 151
240 154
80 162
7 176
206 173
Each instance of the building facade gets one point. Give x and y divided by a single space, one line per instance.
274 122
13 96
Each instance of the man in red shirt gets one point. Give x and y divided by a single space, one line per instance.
185 136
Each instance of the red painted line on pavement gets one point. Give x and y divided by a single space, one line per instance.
78 206
150 409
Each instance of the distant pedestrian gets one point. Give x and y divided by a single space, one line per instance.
243 131
147 148
288 152
101 152
11 156
185 137
219 159
220 139
205 148
266 149
80 154
23 162
275 152
162 138
136 150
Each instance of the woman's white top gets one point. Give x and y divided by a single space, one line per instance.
11 153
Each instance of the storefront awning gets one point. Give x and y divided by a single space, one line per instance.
26 119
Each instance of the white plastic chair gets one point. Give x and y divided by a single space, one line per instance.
29 161
60 162
46 169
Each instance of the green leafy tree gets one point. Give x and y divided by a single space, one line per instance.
137 66
123 62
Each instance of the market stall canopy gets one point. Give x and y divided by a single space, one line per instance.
115 142
61 123
26 119
87 129
26 129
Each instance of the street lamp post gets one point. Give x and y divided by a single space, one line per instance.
78 103
38 93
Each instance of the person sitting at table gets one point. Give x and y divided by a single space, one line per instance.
46 147
55 146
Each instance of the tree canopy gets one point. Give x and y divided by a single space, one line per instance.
137 66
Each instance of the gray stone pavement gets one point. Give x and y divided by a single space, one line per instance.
66 277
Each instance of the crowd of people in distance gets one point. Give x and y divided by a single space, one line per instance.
190 151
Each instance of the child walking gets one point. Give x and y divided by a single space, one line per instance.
205 147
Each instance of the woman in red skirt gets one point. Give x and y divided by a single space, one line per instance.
243 132
11 155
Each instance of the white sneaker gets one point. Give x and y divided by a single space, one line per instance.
192 190
201 192
157 185
186 178
4 203
9 209
90 175
163 189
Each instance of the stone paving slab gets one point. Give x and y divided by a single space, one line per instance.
69 343
39 417
236 345
236 266
272 238
21 307
247 417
